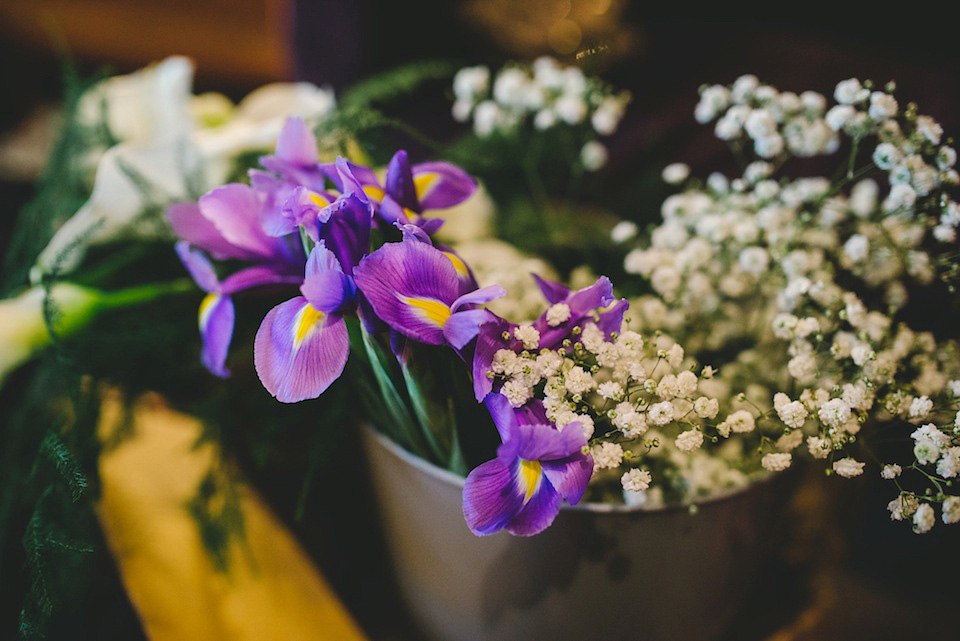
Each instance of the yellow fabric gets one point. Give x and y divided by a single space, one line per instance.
271 590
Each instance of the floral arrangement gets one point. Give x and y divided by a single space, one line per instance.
766 317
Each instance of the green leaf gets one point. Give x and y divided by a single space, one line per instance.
402 428
396 82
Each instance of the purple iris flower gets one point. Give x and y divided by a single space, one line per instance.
408 190
302 344
537 467
296 158
415 289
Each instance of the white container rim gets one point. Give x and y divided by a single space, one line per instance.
446 476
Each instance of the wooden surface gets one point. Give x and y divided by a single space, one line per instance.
241 40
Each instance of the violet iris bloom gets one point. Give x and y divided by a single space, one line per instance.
414 288
226 224
408 190
536 468
302 344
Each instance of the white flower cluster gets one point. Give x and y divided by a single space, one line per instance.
639 402
807 281
544 92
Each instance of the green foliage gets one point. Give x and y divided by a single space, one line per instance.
395 83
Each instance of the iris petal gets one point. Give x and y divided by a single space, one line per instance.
490 497
299 351
216 327
442 185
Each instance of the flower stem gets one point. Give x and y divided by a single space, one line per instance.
143 293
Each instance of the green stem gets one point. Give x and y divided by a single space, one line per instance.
144 293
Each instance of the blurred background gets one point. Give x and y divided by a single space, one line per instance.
848 582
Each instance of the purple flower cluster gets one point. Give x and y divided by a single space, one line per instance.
306 225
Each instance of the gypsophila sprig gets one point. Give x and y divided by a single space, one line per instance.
544 94
809 282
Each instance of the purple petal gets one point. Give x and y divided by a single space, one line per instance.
326 287
399 181
392 213
276 192
411 232
430 225
257 276
216 328
611 320
298 351
489 342
440 185
553 292
235 211
297 144
479 296
410 286
347 230
357 179
570 477
491 497
199 267
502 413
537 514
544 442
585 300
532 413
190 225
461 327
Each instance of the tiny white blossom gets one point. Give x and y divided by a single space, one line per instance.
834 413
920 407
686 383
951 509
675 355
689 440
929 129
885 156
903 507
557 314
857 248
848 467
891 471
606 455
949 464
623 231
838 116
923 519
578 381
776 461
675 173
660 413
593 155
850 92
790 440
528 335
741 422
793 414
610 390
706 407
818 447
517 392
636 480
882 106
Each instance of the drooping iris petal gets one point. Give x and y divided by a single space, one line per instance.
569 477
399 181
502 414
192 226
581 303
430 225
410 285
553 292
393 213
544 442
200 268
478 296
491 497
234 210
462 327
216 320
299 351
611 320
440 185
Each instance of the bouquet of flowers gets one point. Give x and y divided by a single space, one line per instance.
763 317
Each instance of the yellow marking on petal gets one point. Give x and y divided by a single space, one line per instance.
308 318
206 308
318 200
424 182
429 309
410 214
457 264
531 474
374 192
